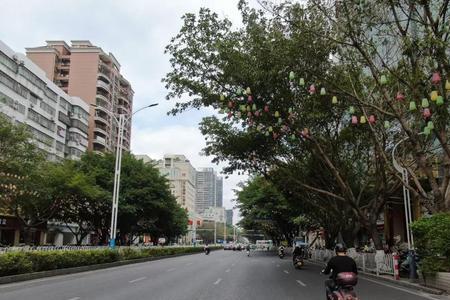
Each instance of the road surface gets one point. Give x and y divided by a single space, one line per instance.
222 275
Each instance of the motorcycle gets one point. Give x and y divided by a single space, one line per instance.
248 253
298 262
344 287
207 250
281 254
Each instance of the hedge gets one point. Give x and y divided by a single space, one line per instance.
14 263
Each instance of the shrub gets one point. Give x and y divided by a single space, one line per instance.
432 238
15 263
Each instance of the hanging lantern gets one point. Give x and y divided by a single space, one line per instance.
425 103
354 120
267 133
412 106
270 129
400 96
239 114
426 130
323 92
293 137
250 99
447 85
266 108
430 125
426 113
242 107
334 100
230 104
436 78
372 119
291 75
305 132
248 91
254 107
301 82
249 114
434 95
277 114
439 101
257 113
363 120
280 120
383 79
249 108
387 124
351 110
312 89
222 97
290 110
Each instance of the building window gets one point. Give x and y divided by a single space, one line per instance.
14 104
8 62
60 146
49 109
32 78
43 121
75 152
14 85
64 103
51 95
34 98
78 124
81 113
41 137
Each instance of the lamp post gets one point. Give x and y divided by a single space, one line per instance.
121 122
408 212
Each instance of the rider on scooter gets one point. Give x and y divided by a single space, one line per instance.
338 264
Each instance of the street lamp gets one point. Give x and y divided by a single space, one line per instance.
121 122
408 213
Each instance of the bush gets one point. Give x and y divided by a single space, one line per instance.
432 238
14 263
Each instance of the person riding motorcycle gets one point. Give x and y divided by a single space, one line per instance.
298 251
338 264
206 248
281 250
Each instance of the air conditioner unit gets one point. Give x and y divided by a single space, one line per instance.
15 57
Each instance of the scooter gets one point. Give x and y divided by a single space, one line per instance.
344 287
298 262
280 254
207 250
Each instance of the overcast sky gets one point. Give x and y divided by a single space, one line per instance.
136 32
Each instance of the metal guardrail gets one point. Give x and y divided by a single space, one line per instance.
367 262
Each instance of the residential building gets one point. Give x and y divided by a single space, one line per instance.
85 70
58 122
229 216
219 192
145 158
206 189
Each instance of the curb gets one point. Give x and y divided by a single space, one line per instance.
410 285
57 272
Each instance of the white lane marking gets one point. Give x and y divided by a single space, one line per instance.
188 264
301 283
171 269
286 271
217 281
137 279
74 298
401 289
227 270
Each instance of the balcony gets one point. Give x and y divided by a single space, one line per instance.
102 101
62 77
100 140
103 85
102 119
122 109
101 129
63 66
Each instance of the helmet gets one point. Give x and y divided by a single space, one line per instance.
340 248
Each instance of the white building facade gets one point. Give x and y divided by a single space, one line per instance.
57 122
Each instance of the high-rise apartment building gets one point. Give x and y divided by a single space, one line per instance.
219 191
86 71
182 177
207 193
57 122
229 216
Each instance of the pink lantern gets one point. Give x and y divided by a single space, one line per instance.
230 114
426 113
266 108
354 120
230 104
249 114
312 89
436 78
256 113
372 119
250 99
400 96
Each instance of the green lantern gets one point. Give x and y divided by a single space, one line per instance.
249 108
248 91
270 129
383 79
412 106
439 101
301 82
280 120
222 97
323 92
293 137
351 110
277 114
267 133
430 125
425 103
242 107
334 100
363 120
254 107
434 95
291 75
387 124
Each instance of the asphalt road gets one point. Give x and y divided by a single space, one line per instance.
222 275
